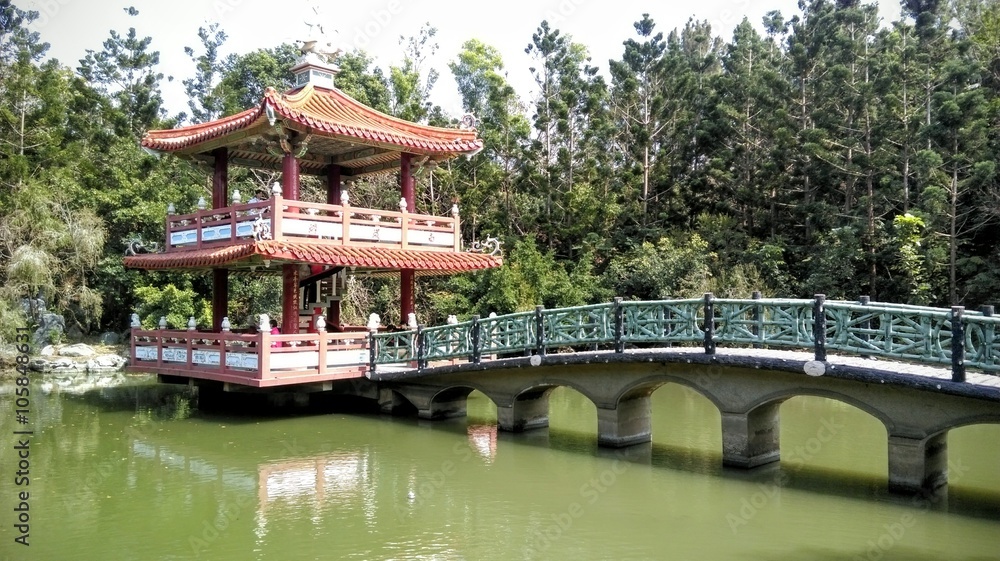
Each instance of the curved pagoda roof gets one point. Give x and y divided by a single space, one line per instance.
323 127
252 254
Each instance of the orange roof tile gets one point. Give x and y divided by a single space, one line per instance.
325 112
318 253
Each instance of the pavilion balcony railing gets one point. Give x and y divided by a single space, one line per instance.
248 358
934 336
283 219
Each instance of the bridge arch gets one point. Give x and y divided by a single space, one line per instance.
971 420
645 386
783 395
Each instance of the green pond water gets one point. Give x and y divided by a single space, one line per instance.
138 472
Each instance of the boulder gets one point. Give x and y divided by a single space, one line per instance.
50 327
105 362
63 364
110 338
38 365
48 350
79 349
73 333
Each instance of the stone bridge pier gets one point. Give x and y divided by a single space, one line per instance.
916 414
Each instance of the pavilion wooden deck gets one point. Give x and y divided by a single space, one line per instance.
256 360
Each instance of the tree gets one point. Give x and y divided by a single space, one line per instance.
638 98
410 87
574 123
245 77
846 138
359 80
491 100
125 71
203 97
957 164
749 111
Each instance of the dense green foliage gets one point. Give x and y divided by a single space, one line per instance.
828 154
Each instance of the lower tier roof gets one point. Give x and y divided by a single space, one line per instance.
253 254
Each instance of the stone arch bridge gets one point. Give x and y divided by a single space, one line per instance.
434 370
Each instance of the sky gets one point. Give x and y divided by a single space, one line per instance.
72 27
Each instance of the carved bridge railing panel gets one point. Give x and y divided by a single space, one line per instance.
772 322
911 333
664 321
919 334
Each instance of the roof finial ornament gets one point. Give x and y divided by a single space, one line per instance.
468 121
316 42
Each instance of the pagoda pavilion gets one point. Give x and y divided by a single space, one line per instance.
312 129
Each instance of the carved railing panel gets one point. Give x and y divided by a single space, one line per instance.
447 341
395 347
508 334
664 321
579 326
917 333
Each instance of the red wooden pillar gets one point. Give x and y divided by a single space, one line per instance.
290 298
220 277
333 189
333 185
406 276
289 272
220 177
290 177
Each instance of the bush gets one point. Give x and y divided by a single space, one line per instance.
173 303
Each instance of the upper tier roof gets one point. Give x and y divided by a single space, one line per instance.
325 125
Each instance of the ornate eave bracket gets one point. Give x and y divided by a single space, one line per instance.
489 246
135 246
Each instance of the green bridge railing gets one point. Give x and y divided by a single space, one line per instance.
935 336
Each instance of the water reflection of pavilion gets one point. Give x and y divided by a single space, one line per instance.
345 478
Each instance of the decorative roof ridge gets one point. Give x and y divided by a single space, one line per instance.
160 137
296 98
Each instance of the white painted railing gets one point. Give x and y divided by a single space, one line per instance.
287 220
251 359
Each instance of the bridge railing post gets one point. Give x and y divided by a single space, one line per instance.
819 327
866 325
957 344
619 326
758 319
989 335
539 331
709 327
476 334
421 348
372 352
